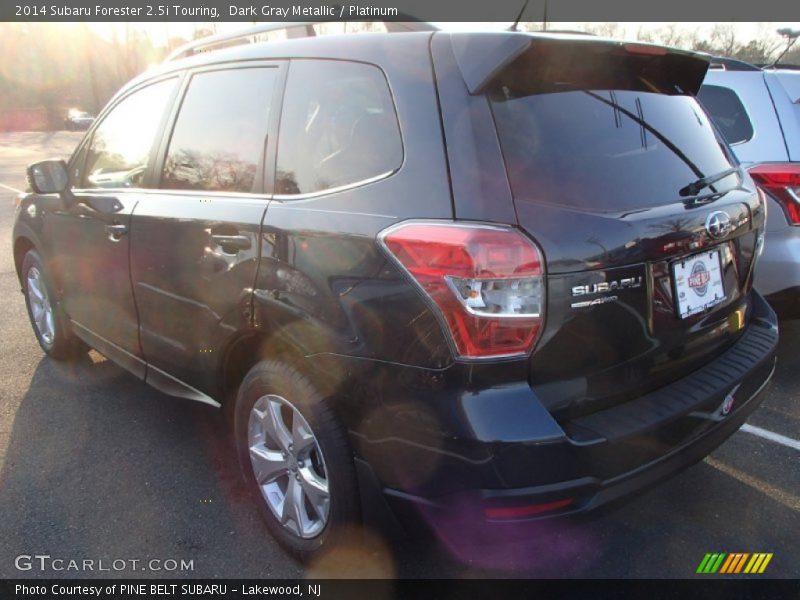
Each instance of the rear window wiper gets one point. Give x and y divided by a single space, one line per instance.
695 187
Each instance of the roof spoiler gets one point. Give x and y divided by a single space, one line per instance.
483 57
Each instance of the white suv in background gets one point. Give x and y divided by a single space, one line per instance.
758 112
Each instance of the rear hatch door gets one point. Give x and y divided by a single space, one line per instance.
647 225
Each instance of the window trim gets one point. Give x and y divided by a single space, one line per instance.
205 194
81 155
264 179
347 186
337 189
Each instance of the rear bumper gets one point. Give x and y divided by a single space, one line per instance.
604 456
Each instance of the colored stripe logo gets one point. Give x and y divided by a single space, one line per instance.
734 563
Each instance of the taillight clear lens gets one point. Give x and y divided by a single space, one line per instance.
782 181
486 281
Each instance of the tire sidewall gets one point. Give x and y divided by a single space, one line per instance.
275 377
32 259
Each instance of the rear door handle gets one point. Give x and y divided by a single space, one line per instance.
232 243
116 231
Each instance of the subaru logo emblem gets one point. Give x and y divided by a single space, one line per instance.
727 405
718 224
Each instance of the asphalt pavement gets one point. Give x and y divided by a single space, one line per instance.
97 466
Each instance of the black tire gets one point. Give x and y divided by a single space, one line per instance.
277 378
62 344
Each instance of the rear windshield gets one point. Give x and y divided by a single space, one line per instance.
606 150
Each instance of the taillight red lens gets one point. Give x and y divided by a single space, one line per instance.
646 49
782 181
486 281
527 510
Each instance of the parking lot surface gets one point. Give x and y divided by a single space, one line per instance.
96 465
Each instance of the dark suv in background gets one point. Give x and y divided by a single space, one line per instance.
487 276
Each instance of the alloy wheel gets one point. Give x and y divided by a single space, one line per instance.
41 309
288 466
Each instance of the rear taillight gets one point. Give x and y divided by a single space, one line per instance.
487 282
782 181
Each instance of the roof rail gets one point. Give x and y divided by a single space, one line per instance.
779 66
240 35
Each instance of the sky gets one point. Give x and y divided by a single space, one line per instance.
746 30
159 32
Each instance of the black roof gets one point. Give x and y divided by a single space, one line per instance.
479 54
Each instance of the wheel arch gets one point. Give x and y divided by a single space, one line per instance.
22 245
249 348
285 337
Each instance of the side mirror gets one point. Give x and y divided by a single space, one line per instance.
48 177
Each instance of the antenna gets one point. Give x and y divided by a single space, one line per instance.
544 18
519 16
791 36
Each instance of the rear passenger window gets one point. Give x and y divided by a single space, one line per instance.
219 137
727 112
119 152
338 127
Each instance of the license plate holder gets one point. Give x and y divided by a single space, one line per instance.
698 283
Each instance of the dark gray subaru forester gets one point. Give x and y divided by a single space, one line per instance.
470 278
